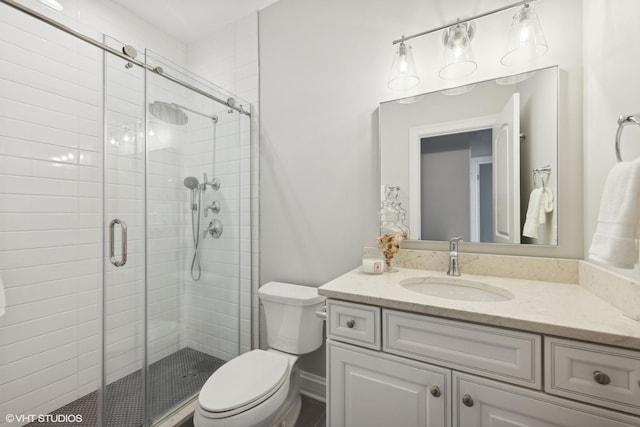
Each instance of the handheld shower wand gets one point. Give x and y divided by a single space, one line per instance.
192 184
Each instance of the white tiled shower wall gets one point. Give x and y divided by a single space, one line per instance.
51 217
229 58
50 203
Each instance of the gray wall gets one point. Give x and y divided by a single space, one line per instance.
445 213
445 166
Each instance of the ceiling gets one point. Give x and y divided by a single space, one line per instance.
190 20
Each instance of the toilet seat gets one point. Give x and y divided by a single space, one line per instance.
243 383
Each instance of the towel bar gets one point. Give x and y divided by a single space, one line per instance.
622 122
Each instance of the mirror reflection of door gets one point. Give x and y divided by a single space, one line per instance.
481 187
506 181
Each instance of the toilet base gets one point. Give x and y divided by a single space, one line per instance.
290 413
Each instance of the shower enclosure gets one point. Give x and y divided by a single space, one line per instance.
123 221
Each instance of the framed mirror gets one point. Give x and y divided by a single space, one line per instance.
479 161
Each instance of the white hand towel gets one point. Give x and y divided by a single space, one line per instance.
615 240
546 203
3 299
532 220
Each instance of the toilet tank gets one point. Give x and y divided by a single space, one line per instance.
290 313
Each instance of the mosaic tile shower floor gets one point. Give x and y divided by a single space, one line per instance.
172 380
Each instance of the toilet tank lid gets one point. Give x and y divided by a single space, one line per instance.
287 293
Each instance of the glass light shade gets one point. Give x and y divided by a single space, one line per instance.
511 80
410 99
458 90
458 55
526 38
403 75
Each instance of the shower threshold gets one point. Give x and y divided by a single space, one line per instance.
172 381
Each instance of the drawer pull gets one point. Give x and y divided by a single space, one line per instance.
351 323
435 391
467 400
601 378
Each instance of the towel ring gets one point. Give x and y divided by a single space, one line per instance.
622 122
538 172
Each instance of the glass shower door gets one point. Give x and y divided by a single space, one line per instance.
124 297
185 199
173 274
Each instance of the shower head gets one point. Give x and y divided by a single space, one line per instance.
168 113
191 182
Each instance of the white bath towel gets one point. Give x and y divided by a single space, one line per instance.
615 239
3 299
532 221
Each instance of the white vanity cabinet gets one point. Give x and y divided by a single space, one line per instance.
390 368
373 389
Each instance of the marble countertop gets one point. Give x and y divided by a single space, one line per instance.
559 309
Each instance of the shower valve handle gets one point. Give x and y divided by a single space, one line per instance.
214 207
214 229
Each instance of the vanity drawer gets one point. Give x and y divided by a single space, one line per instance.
354 323
592 373
510 356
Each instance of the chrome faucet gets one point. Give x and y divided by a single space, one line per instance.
453 256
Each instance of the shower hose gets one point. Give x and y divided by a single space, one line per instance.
196 268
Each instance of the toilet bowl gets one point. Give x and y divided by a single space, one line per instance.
261 388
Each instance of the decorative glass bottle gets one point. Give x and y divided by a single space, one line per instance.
392 231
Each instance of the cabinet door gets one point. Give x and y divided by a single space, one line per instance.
372 389
478 402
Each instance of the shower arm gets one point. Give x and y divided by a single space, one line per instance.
157 70
214 183
213 118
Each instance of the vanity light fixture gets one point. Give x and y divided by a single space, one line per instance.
526 42
526 38
458 55
403 75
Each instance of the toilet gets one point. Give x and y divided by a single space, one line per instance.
261 388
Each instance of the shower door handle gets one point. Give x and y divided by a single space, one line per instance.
112 250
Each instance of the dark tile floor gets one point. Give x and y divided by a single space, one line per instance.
312 414
172 380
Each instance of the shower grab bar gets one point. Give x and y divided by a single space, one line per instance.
622 122
112 250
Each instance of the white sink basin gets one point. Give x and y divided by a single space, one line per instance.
458 289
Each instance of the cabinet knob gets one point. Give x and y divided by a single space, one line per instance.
435 391
601 378
467 400
351 323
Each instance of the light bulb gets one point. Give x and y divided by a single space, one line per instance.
402 64
525 33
